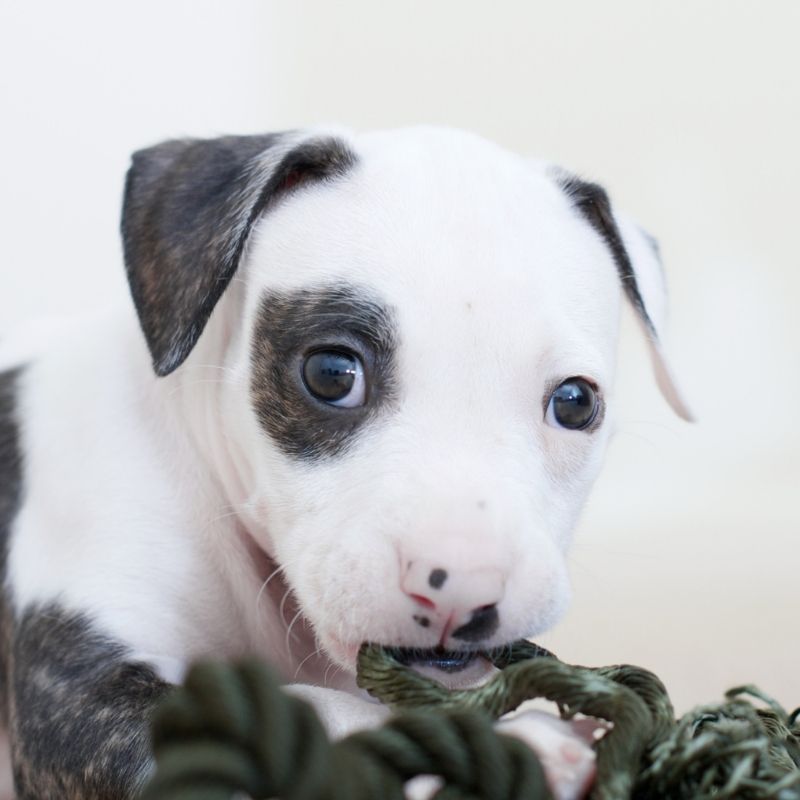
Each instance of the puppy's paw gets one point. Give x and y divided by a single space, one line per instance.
564 748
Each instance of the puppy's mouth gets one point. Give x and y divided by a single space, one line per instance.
450 662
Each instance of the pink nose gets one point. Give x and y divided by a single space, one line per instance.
461 603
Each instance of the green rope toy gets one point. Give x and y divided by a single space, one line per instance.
230 732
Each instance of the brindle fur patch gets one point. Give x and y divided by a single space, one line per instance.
10 458
79 713
290 326
188 209
10 499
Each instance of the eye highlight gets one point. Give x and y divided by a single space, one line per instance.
574 404
335 377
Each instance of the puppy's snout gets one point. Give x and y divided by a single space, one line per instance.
461 603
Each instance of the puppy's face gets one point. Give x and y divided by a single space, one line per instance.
421 387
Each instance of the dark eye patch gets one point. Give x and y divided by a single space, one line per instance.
290 326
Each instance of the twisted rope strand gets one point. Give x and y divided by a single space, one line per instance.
231 732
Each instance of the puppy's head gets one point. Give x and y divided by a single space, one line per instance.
418 338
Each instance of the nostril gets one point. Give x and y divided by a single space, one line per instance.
422 600
437 578
482 624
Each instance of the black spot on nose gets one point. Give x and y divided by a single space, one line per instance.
420 620
482 624
437 578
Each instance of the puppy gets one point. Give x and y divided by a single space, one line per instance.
361 394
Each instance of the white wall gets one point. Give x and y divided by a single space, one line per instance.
84 83
689 112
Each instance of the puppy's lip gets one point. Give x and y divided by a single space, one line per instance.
454 669
447 661
423 659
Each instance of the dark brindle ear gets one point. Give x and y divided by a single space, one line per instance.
636 257
188 209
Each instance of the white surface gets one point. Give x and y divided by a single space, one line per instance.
688 553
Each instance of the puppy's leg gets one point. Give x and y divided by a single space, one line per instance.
563 748
79 710
341 713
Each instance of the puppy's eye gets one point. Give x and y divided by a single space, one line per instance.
573 404
335 377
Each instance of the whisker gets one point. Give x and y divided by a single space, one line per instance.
232 513
336 672
222 367
283 605
266 583
231 510
288 638
194 382
316 652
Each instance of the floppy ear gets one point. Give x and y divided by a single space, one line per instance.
188 209
635 254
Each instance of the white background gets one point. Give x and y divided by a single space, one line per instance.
687 559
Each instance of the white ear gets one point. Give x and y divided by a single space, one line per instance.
642 250
635 255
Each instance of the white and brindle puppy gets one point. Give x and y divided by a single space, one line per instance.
374 388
